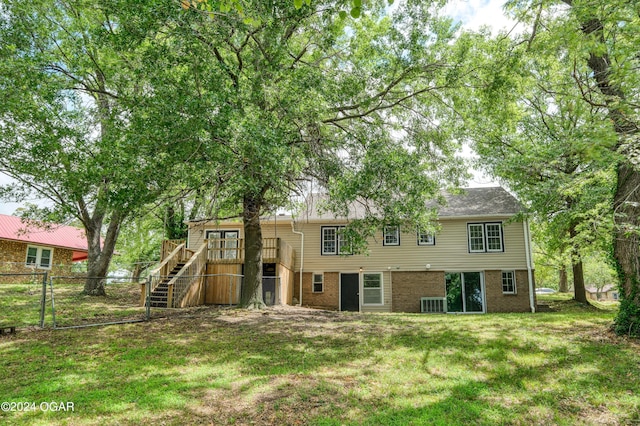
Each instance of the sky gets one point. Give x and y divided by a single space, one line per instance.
473 14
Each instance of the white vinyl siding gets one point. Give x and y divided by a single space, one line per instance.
450 252
372 289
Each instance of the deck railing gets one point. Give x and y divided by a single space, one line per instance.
192 271
231 250
179 253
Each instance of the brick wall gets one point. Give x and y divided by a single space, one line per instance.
409 287
13 256
328 299
497 301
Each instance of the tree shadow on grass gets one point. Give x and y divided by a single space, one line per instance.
330 369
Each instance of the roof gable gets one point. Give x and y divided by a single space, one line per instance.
12 228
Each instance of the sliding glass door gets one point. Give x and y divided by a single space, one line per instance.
465 292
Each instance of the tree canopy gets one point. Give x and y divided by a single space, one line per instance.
566 114
74 121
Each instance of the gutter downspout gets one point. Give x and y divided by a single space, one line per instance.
527 244
293 228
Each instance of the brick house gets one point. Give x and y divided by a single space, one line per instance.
28 247
479 261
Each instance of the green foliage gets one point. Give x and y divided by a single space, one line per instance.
81 126
139 244
583 58
627 322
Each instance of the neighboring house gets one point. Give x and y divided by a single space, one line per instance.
27 247
607 293
479 261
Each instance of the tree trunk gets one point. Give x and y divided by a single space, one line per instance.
626 248
100 252
137 271
626 201
252 287
579 292
563 285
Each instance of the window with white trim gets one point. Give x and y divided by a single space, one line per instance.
485 237
509 282
333 242
391 236
39 257
224 244
318 283
372 288
425 238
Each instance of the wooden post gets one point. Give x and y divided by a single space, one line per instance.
170 296
143 293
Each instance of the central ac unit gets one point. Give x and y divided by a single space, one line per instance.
433 305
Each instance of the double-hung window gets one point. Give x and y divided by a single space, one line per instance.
425 238
509 282
318 283
39 257
372 286
391 236
333 242
485 237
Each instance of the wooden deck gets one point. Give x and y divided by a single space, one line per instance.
224 269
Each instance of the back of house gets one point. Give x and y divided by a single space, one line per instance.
478 261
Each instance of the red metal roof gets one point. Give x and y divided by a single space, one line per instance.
12 228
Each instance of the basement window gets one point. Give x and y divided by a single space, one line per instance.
318 283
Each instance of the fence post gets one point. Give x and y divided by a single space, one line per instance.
53 305
43 299
170 296
147 297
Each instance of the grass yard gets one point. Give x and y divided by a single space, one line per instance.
298 366
20 304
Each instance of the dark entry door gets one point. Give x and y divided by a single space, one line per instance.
349 292
269 283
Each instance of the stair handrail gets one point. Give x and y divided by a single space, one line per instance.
188 274
167 264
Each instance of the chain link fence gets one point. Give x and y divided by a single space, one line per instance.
70 306
22 300
38 300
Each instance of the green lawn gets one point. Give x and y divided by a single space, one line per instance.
20 304
294 366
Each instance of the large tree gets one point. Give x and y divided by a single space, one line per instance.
292 95
597 42
79 126
533 132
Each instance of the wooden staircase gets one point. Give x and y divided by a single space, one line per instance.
159 296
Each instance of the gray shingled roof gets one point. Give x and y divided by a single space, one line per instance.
494 201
